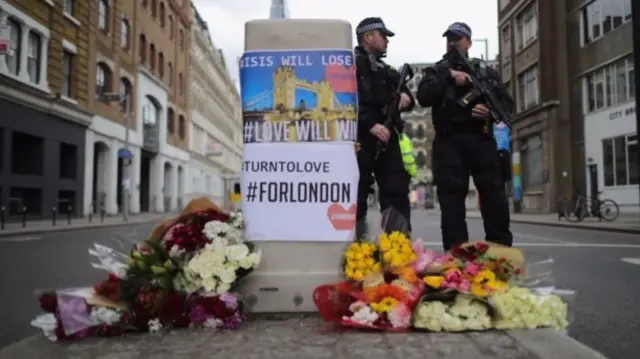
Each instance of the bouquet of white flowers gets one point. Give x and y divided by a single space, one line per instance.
522 308
462 313
225 260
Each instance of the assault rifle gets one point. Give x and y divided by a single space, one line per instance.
481 88
392 112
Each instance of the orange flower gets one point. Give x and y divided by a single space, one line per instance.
407 274
377 293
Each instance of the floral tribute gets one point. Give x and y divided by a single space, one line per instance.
395 284
182 276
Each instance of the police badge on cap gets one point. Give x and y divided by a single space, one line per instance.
373 23
458 29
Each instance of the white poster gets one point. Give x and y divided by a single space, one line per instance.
300 175
299 192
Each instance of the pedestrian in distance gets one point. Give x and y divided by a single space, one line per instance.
464 144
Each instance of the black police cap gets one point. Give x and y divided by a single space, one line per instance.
371 24
458 29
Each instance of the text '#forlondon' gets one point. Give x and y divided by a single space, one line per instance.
298 192
299 96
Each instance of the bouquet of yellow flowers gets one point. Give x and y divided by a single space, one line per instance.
360 260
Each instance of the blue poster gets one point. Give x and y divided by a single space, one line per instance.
298 96
502 134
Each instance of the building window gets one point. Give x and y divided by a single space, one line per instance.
182 127
505 44
145 3
161 65
150 111
170 121
603 16
124 34
152 57
170 74
528 91
143 48
103 78
103 15
611 85
67 73
68 161
13 56
170 27
162 14
154 8
27 154
527 23
620 159
532 162
34 57
67 6
180 84
126 93
181 39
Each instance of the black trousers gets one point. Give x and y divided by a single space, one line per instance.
393 180
457 156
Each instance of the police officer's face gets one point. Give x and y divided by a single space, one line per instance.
462 42
377 41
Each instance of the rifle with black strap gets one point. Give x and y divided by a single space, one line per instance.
481 89
392 110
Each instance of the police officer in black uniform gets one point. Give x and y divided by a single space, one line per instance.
376 82
464 145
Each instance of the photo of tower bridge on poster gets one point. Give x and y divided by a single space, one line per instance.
298 96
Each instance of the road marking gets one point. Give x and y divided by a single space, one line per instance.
635 261
20 239
562 245
537 238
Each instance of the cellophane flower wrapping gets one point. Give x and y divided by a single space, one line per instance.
182 275
486 286
381 287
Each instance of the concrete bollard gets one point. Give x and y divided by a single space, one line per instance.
292 268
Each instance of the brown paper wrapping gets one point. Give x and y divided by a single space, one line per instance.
194 205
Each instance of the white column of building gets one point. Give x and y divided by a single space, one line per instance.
157 183
88 172
134 179
173 186
110 177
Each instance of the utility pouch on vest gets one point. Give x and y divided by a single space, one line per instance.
505 165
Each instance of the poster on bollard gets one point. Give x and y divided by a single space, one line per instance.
299 172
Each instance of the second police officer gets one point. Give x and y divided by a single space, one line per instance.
376 82
464 145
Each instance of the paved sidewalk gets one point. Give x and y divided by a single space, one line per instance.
45 226
298 337
626 222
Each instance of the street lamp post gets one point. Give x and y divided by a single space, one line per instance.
123 100
486 47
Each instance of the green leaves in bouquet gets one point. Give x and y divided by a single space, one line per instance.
149 265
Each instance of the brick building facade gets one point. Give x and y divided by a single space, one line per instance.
43 98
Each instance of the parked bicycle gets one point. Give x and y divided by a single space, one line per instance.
582 207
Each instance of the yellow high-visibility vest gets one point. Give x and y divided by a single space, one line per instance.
408 159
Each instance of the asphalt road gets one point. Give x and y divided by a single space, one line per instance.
605 311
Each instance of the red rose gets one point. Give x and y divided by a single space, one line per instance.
219 308
48 302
